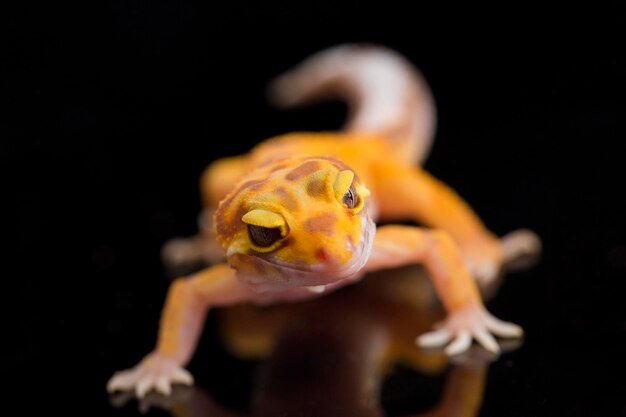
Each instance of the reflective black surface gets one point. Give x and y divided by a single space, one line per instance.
110 124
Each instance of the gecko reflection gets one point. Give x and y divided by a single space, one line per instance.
330 356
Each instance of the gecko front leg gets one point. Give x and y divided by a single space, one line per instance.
187 303
467 316
409 192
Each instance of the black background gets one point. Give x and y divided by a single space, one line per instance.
112 113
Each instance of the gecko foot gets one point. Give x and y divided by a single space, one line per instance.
155 371
463 325
521 248
181 394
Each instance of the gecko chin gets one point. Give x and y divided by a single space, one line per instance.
267 272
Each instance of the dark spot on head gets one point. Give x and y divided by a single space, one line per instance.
279 166
227 225
303 170
221 226
223 222
324 223
315 187
224 205
336 162
341 166
253 185
287 200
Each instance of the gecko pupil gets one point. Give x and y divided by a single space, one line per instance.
350 198
263 236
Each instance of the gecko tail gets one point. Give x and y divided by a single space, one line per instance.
385 94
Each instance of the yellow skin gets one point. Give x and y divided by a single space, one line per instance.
311 200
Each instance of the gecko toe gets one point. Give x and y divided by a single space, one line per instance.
460 344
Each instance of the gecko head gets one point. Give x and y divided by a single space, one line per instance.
296 222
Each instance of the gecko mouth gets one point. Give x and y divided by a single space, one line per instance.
290 275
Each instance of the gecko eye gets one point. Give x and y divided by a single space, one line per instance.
350 198
263 236
345 191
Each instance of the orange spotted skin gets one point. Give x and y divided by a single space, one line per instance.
324 240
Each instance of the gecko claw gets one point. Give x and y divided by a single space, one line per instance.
156 372
460 344
463 325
